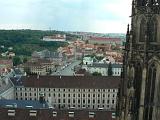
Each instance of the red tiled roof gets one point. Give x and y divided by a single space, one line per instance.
6 62
95 82
105 39
47 114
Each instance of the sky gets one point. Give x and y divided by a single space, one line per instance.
101 16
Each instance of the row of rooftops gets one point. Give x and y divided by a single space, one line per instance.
104 65
85 82
105 39
50 114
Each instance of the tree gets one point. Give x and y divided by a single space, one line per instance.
16 61
25 59
110 72
96 74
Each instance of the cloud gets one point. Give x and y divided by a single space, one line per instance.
79 15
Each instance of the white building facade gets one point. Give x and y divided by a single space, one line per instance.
103 69
66 96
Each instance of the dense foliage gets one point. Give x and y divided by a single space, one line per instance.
96 74
24 42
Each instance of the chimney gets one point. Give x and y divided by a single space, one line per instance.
11 113
71 114
91 114
33 113
54 114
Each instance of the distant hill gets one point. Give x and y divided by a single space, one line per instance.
24 42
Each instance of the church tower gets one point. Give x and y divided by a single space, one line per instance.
139 94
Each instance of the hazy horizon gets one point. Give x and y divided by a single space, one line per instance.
66 15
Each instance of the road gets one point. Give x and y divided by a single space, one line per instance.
68 70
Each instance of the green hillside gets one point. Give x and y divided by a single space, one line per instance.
24 42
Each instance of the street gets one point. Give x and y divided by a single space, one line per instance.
66 70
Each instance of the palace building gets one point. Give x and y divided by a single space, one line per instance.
64 92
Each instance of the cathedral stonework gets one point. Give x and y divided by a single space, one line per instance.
139 93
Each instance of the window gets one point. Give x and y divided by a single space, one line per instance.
73 100
63 95
108 101
98 101
88 95
49 95
83 95
88 100
30 94
59 100
108 95
112 101
103 101
64 101
78 100
68 100
93 101
25 94
153 30
68 95
59 95
83 101
142 30
73 95
93 95
150 91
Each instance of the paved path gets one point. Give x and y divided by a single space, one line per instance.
68 70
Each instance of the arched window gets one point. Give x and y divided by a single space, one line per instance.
137 85
153 31
142 30
149 92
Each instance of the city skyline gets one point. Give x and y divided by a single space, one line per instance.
66 15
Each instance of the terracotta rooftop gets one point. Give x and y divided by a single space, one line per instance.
6 62
93 82
106 39
47 114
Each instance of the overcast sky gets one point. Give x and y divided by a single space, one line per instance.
105 16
